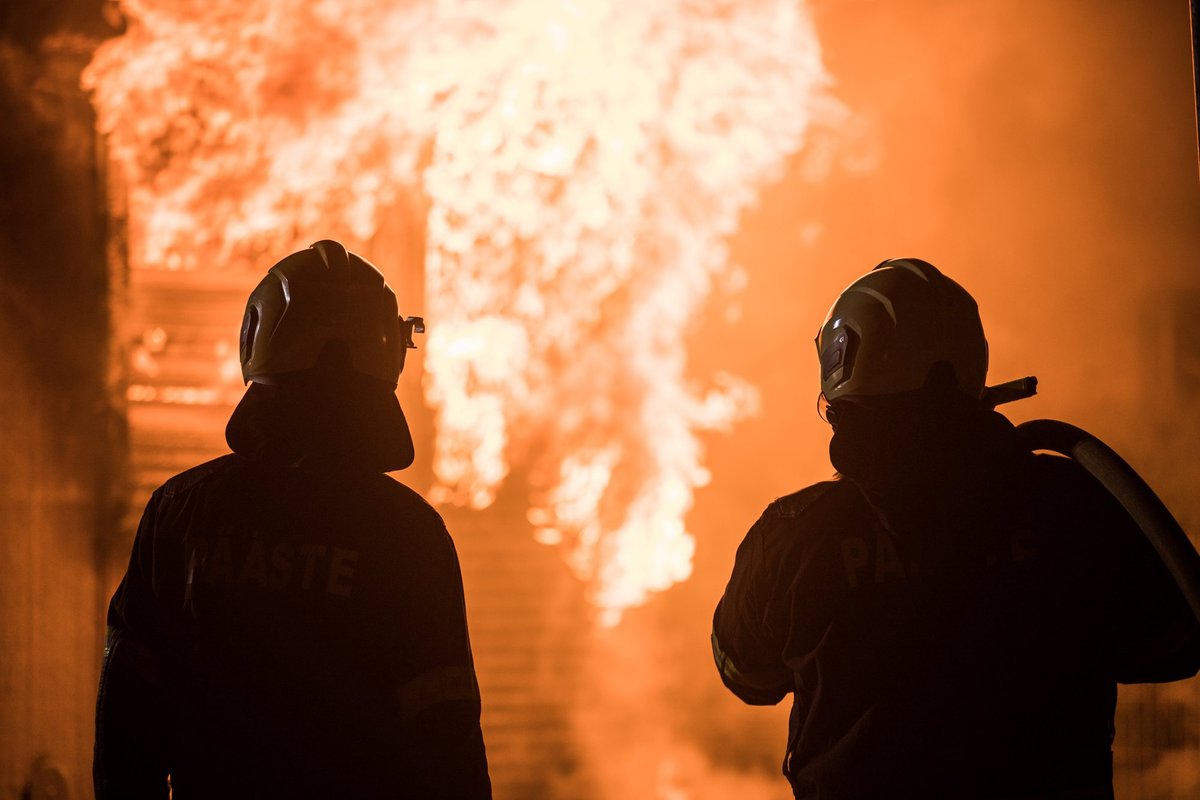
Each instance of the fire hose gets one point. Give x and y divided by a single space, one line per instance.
1134 495
1119 479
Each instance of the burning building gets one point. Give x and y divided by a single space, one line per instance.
623 222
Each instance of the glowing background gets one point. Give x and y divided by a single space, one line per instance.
1041 153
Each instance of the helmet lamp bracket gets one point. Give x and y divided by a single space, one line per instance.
1009 391
409 326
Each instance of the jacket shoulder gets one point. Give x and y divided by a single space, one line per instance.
1057 467
198 474
409 500
1062 481
812 498
422 524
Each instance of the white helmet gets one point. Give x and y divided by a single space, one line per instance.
888 329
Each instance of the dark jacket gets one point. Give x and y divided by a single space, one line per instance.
952 622
289 631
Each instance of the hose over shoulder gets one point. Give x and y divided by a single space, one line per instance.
1137 498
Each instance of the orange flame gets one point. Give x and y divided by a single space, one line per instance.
582 162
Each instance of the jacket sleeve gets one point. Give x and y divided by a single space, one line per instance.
746 647
1156 636
439 702
130 761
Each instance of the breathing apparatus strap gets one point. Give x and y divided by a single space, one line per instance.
1137 498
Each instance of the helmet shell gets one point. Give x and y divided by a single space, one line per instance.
318 302
888 329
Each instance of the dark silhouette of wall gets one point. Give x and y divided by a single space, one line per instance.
59 431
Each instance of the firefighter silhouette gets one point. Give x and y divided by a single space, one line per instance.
952 614
292 623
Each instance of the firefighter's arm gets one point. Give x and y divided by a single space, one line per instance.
449 743
132 723
440 704
1157 634
746 648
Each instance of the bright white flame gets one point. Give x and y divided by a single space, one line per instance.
582 165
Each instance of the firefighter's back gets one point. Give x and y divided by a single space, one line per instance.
312 597
957 653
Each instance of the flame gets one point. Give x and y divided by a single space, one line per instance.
582 164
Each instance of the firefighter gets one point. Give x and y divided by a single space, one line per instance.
292 623
952 613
